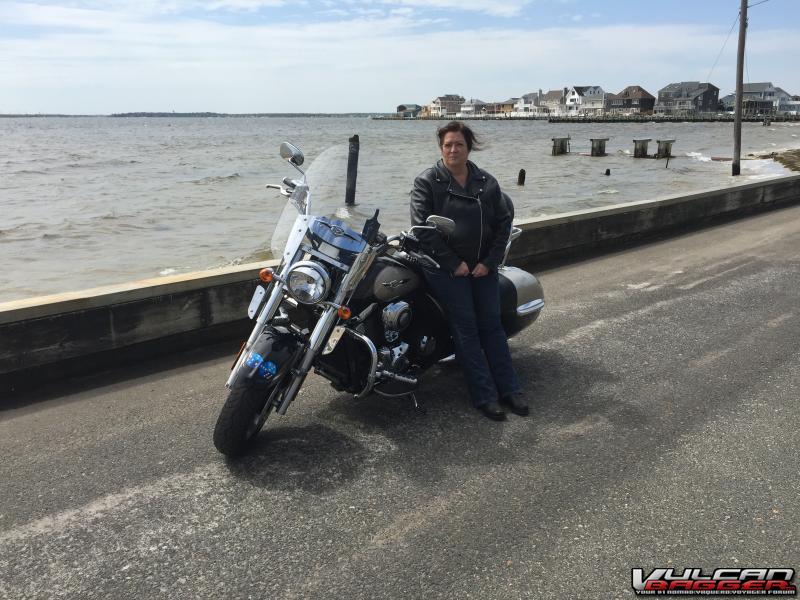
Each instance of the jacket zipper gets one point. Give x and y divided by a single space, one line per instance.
477 199
480 239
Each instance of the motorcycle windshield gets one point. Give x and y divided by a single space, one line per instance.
337 222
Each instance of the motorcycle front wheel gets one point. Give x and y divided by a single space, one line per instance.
242 417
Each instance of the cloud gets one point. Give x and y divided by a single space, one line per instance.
86 59
498 8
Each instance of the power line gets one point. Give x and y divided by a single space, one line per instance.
757 3
723 47
747 66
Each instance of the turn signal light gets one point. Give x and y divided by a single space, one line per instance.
344 313
265 275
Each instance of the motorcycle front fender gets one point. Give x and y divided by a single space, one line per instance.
274 352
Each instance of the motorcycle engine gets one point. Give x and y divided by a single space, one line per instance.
396 317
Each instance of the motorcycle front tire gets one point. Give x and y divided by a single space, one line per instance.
240 419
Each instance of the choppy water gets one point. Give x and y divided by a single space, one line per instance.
92 201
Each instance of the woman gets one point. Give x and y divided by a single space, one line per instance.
467 282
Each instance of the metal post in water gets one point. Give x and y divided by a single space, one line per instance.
737 125
352 171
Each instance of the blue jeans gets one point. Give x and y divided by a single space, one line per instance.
473 311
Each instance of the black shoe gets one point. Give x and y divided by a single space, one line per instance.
493 411
516 403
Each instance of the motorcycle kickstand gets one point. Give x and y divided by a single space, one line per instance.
417 406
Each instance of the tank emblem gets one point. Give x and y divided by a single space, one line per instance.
395 283
337 231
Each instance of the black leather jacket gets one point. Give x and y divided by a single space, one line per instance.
482 217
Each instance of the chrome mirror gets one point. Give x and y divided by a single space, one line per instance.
442 224
292 153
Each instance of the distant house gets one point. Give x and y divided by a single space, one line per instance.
472 108
447 105
791 106
752 104
687 98
530 105
501 109
409 111
761 99
584 100
633 100
553 101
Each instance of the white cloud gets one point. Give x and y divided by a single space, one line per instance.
499 8
96 61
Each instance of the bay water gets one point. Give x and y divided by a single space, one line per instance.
90 201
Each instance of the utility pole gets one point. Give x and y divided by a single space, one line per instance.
737 124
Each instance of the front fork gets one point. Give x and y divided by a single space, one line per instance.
318 336
264 317
315 343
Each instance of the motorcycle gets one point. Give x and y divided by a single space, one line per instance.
353 306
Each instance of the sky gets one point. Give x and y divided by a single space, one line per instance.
265 56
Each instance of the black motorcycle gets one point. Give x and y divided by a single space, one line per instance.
351 305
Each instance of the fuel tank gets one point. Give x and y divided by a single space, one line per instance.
387 280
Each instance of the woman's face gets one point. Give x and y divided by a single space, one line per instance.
454 150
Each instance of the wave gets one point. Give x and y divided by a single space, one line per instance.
258 255
699 156
215 179
29 172
112 162
608 191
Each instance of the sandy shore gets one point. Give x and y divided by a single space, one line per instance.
788 158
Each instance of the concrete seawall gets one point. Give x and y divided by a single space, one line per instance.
48 338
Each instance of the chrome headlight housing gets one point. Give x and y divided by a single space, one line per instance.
308 282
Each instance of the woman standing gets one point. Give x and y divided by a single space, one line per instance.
467 282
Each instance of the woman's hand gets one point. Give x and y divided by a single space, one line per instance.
480 270
462 270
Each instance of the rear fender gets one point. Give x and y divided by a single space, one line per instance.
273 354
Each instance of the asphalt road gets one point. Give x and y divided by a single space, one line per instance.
664 382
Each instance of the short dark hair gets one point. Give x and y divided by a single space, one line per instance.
457 126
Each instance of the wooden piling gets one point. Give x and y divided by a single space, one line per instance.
664 148
598 146
352 171
640 147
560 145
521 177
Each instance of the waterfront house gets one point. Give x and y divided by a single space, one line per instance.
408 111
584 100
789 106
687 98
472 108
501 109
447 105
761 99
633 100
530 105
752 105
553 101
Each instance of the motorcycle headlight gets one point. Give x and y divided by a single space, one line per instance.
308 282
